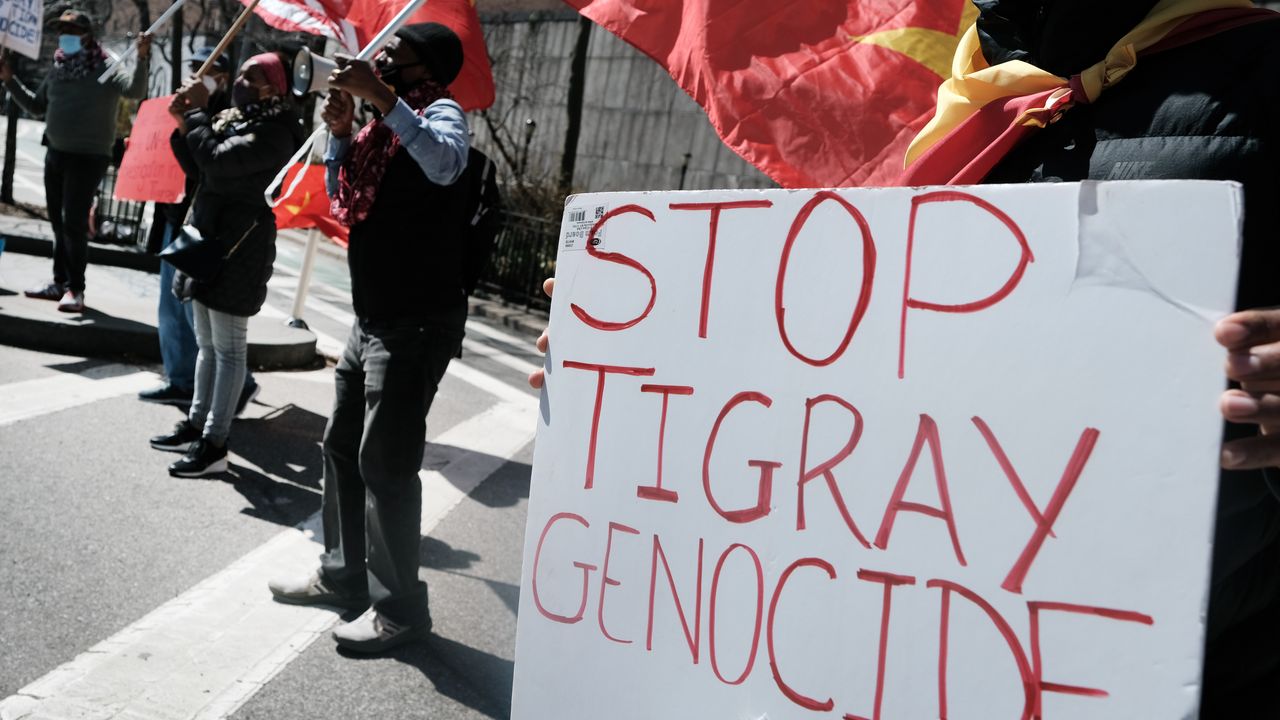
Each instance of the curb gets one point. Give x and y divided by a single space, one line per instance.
119 323
98 254
525 322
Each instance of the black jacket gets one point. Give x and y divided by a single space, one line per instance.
174 214
234 172
1208 110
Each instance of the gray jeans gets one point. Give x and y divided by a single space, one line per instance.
223 340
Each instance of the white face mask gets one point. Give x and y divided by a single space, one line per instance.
210 84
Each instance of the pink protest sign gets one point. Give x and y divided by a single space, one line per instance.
149 170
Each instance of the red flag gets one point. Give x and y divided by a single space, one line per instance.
353 23
815 93
308 205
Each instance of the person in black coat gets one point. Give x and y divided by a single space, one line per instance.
175 323
1207 110
236 153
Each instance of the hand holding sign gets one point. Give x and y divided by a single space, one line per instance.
537 377
1253 339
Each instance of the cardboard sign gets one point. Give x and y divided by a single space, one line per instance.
149 170
20 24
899 453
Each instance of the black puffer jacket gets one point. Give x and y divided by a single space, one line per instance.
234 171
1208 110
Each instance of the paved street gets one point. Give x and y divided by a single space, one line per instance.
127 593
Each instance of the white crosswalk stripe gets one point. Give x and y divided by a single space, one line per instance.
206 652
33 398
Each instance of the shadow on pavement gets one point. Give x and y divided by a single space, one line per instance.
449 666
284 444
283 484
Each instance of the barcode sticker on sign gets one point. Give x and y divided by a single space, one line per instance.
578 222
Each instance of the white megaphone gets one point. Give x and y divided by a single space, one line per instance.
311 72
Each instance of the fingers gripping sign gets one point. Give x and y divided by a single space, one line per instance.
1252 339
538 377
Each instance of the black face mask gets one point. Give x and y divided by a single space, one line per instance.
243 94
391 74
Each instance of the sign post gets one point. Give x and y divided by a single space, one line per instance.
888 453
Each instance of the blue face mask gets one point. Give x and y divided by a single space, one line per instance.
69 44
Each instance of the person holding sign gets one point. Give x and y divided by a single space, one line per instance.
80 130
235 154
1162 90
395 185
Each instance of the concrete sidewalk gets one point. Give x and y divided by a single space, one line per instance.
119 319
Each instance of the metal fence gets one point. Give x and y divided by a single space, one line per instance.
524 255
118 222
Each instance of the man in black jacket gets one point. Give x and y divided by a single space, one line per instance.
395 185
1206 110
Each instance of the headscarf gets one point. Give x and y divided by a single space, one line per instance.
233 119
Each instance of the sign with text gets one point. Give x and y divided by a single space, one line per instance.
20 24
149 170
900 453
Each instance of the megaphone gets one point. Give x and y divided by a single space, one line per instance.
311 72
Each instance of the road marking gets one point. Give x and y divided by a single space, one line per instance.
31 398
203 654
332 347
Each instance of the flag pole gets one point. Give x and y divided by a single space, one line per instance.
304 280
160 21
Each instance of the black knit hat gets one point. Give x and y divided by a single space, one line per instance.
437 47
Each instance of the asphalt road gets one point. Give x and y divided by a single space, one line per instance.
110 570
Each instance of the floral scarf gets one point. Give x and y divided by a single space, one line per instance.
371 152
230 121
88 61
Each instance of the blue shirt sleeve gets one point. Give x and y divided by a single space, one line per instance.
438 139
333 157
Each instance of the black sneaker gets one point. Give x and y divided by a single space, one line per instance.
204 458
177 441
250 391
167 394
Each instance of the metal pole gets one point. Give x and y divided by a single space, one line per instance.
10 150
304 279
132 49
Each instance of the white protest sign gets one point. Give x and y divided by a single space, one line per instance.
20 24
899 453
